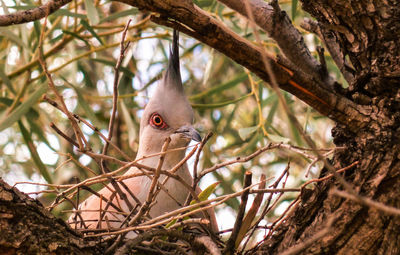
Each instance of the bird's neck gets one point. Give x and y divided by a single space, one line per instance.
151 158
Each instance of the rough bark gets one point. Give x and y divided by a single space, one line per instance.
367 32
26 227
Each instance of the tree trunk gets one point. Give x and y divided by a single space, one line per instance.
26 227
368 32
365 31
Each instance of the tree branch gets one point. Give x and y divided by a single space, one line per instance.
26 227
202 26
279 26
37 13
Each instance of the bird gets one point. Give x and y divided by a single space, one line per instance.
167 115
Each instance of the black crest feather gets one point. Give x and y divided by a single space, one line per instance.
173 75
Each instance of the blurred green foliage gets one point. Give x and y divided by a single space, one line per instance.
81 46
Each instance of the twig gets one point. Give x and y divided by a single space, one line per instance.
196 161
307 243
316 160
103 163
208 243
268 202
189 238
78 133
95 129
115 86
367 202
321 55
230 244
263 191
237 160
329 175
195 179
291 116
331 43
251 214
151 194
175 215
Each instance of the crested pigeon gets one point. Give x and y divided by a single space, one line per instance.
167 114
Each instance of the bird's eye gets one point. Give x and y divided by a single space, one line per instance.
157 121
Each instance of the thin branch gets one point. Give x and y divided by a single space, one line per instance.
78 133
230 244
251 214
307 243
368 202
115 87
333 47
151 194
103 163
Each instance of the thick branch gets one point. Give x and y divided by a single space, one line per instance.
32 14
199 24
278 25
26 227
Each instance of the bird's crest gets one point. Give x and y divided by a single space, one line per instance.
172 77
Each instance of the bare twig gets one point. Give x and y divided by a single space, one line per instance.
307 243
368 202
78 133
251 214
230 244
151 194
95 129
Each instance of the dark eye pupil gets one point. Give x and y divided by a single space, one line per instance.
157 120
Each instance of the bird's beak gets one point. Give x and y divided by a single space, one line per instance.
189 132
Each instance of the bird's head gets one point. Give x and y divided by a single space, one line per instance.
168 113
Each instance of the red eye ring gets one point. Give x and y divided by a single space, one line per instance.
157 121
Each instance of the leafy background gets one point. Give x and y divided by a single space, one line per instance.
81 46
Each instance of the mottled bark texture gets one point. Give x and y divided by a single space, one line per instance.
368 32
26 227
362 37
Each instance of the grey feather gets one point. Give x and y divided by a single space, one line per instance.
172 77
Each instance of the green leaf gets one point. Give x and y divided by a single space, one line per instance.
6 32
278 139
125 70
129 122
217 89
91 30
217 105
35 156
76 36
294 9
22 109
203 196
245 133
92 12
89 113
172 222
272 111
65 12
6 81
132 11
56 39
5 101
203 3
39 131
